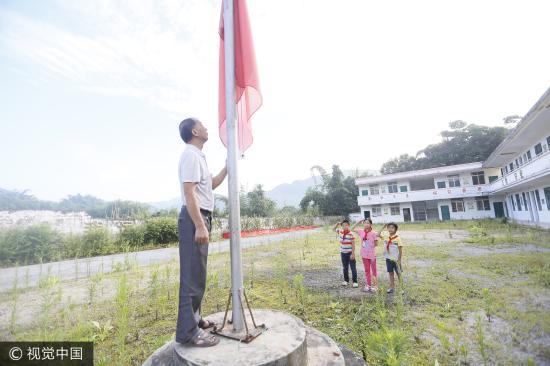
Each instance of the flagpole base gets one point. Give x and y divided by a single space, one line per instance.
285 341
243 336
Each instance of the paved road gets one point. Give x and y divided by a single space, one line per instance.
29 276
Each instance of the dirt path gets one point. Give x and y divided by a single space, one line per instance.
433 245
30 276
329 279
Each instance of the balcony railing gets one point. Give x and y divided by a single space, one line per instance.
523 172
425 195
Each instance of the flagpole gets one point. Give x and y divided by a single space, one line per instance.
233 181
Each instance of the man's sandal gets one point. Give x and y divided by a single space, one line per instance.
204 339
205 324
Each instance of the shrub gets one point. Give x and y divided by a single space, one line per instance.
387 347
133 235
33 244
96 241
72 246
283 222
161 230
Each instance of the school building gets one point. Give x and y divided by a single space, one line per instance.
513 182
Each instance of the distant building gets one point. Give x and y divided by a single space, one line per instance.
444 193
513 182
65 222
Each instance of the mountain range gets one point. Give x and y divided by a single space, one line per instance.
285 194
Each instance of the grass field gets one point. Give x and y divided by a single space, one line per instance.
474 293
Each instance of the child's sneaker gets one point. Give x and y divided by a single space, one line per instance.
390 291
345 283
366 288
355 285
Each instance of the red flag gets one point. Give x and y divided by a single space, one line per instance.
248 97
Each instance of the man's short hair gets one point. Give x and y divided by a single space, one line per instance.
186 128
394 225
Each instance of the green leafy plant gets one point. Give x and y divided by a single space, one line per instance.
101 330
480 338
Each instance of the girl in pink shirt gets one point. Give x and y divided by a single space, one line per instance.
369 239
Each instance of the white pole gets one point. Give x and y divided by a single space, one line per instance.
233 181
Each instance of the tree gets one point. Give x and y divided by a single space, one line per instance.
95 207
255 203
288 211
461 144
313 200
221 206
403 163
14 200
512 119
335 196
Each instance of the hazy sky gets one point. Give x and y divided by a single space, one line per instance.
92 92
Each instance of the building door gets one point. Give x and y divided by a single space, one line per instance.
499 209
366 214
534 206
527 202
407 214
419 211
445 213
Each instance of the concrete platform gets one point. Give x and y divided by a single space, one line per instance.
287 341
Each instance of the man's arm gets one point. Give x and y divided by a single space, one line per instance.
335 226
352 257
201 233
218 179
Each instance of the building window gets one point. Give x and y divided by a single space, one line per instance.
524 200
394 209
518 202
376 211
513 202
373 190
453 180
512 166
403 188
392 187
528 153
365 192
547 196
517 164
457 205
492 178
482 203
478 178
548 142
441 185
537 196
538 149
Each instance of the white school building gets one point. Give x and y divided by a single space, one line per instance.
513 182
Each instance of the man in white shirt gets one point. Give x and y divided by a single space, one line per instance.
194 225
